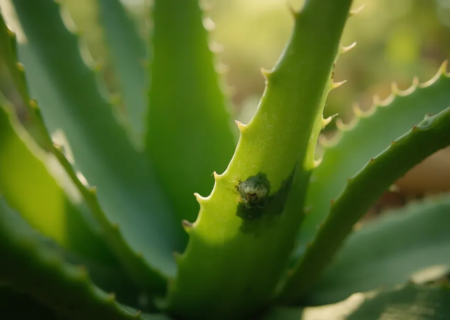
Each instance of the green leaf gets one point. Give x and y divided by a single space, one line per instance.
82 121
411 243
8 53
371 133
188 128
134 263
362 190
31 267
240 243
401 303
29 188
128 53
59 214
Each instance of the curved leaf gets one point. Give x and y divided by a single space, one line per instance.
81 120
188 127
31 190
128 53
389 251
29 266
370 133
243 236
8 53
361 192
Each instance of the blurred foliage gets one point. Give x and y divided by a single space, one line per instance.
397 40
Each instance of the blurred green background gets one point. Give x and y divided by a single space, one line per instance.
396 40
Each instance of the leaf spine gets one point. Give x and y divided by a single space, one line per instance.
330 142
335 85
408 91
187 226
215 47
326 121
208 24
33 104
240 126
266 73
346 127
356 11
199 198
92 190
317 162
82 272
111 297
345 49
442 71
294 13
221 68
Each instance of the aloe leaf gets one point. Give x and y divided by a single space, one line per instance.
369 134
136 266
57 213
396 247
128 53
242 237
362 190
30 267
79 118
405 302
8 53
188 128
24 175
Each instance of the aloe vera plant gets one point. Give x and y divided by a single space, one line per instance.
97 217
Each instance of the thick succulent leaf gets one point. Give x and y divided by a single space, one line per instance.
29 188
59 214
188 128
134 263
32 267
409 244
82 121
8 53
128 53
242 239
371 132
362 190
402 303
